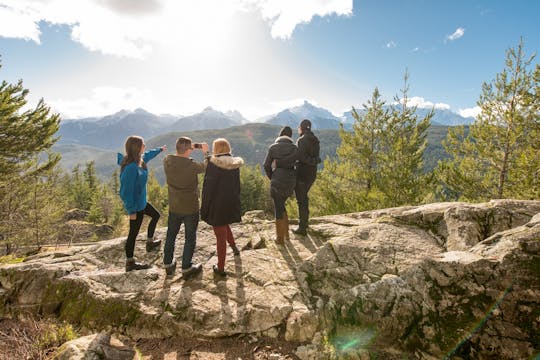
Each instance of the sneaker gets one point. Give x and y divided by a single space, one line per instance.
132 265
152 244
170 269
300 231
191 271
235 250
218 272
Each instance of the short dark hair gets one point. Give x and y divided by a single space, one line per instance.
286 131
305 124
183 144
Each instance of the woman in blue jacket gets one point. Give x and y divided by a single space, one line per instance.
133 179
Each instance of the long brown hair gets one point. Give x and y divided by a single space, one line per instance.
133 146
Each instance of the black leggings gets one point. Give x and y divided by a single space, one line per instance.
135 226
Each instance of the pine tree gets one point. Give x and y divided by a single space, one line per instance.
402 180
24 135
350 183
254 189
379 163
499 156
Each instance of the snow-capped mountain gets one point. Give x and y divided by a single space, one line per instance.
440 117
320 117
207 119
110 132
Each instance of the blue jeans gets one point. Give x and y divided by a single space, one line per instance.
191 222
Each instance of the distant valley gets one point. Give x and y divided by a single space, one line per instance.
98 139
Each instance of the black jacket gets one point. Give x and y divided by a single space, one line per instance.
283 177
307 157
220 203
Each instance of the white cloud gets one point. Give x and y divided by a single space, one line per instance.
457 34
135 28
424 104
105 100
285 15
391 44
470 112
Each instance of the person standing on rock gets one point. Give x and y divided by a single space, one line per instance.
282 179
307 157
133 179
221 198
183 186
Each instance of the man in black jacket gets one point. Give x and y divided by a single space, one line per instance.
307 157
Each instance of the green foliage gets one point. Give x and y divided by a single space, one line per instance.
11 259
499 157
379 163
254 189
56 334
157 195
23 174
402 180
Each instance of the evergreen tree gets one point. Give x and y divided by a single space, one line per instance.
157 195
499 158
401 179
24 135
350 183
379 164
254 189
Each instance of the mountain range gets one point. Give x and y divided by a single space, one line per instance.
110 132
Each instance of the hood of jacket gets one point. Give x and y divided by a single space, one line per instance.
227 162
284 138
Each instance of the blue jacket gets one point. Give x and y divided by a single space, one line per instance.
133 181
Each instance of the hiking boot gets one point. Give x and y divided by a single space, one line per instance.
132 265
218 272
152 244
235 250
300 231
170 269
191 271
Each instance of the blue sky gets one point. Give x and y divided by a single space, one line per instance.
96 57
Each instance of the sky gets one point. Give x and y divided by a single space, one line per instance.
90 58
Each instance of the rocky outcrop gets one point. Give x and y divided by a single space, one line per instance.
427 282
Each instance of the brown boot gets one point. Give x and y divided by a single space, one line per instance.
286 226
279 232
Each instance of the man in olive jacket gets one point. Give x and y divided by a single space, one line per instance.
183 186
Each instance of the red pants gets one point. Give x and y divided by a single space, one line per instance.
223 236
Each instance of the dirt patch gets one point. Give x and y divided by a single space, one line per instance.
176 348
39 338
32 338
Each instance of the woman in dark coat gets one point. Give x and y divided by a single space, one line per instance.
220 204
282 179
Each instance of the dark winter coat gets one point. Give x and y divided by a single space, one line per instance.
221 191
283 177
307 157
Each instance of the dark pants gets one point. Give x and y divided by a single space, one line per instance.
135 226
223 236
191 222
301 192
279 206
